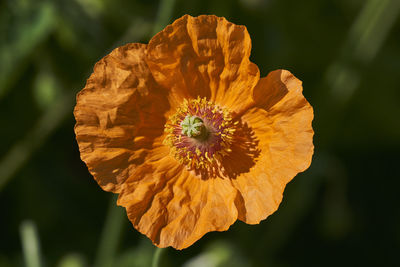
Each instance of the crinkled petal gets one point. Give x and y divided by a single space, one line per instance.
204 56
118 115
172 206
282 123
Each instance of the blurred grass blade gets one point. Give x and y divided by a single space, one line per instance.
26 36
111 235
365 38
218 253
34 138
343 77
20 153
164 15
156 256
140 255
72 260
30 244
137 30
373 26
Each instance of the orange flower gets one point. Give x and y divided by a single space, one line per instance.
188 135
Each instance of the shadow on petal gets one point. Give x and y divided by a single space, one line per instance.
242 156
270 89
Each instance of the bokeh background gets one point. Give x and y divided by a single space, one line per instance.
343 211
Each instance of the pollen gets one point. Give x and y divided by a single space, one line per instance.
200 135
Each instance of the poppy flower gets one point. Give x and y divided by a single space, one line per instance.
188 135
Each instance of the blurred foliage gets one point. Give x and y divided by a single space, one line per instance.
342 211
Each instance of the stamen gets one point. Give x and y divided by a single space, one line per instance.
200 135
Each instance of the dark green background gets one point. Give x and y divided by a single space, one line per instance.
343 211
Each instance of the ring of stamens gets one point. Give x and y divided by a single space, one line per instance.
199 134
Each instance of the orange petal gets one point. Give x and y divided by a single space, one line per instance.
204 56
175 208
118 115
282 123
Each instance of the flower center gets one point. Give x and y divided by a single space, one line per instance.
200 133
193 126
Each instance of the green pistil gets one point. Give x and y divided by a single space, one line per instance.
193 126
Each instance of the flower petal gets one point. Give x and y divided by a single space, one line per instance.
175 208
282 123
204 56
118 114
